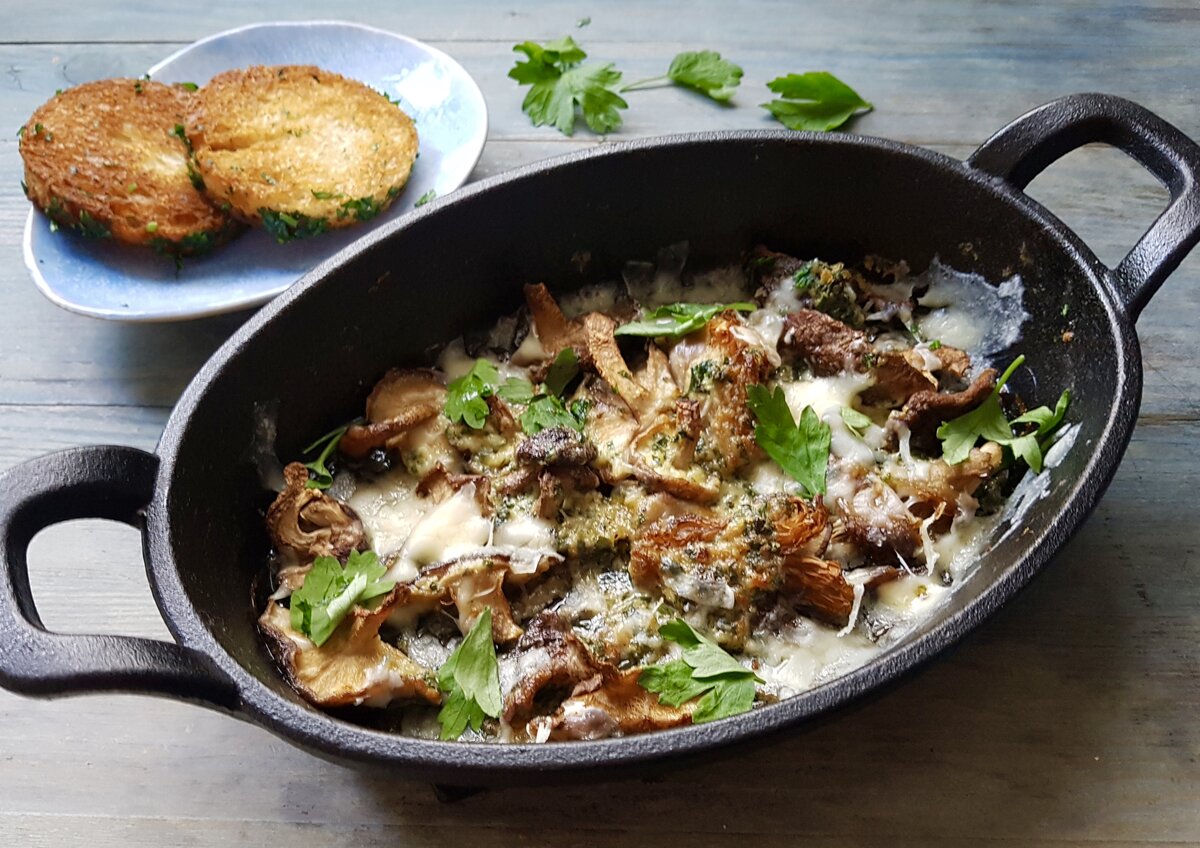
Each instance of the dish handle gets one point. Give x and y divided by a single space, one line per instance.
1027 146
91 482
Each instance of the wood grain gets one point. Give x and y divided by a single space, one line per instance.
1070 719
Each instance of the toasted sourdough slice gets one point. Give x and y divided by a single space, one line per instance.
299 149
106 159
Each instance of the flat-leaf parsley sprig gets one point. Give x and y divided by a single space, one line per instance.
724 686
563 88
470 680
987 422
816 101
329 592
560 85
802 450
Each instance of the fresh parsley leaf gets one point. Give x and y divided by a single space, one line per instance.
425 198
815 101
470 677
673 682
1032 446
725 686
466 397
325 195
706 72
676 320
985 421
188 86
329 591
516 390
801 450
561 371
322 478
546 411
855 421
559 86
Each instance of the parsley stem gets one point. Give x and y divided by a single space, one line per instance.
1008 372
651 82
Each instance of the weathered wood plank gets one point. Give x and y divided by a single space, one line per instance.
921 94
1069 719
875 25
112 832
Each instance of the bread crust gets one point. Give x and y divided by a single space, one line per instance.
299 149
106 159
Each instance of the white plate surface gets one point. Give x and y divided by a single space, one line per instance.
111 281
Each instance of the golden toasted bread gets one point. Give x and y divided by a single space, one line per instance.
109 159
299 149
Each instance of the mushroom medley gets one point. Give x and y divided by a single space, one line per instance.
637 507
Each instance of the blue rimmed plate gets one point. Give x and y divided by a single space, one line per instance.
111 281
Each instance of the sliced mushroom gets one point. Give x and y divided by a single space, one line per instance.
556 446
610 427
925 411
819 587
439 484
549 659
354 667
898 376
308 523
801 528
554 331
876 521
662 455
953 362
399 402
826 345
469 584
656 379
555 484
728 432
935 484
610 364
617 706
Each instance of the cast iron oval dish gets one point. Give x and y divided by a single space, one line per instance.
308 359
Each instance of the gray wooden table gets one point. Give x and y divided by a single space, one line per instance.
1071 718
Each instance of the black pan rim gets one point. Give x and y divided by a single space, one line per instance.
481 762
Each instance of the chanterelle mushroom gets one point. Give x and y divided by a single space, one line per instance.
306 523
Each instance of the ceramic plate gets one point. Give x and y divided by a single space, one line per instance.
123 284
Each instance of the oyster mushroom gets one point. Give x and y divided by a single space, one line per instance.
354 667
925 411
403 399
662 455
307 523
616 705
470 583
548 658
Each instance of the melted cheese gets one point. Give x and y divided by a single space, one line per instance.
453 527
603 604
